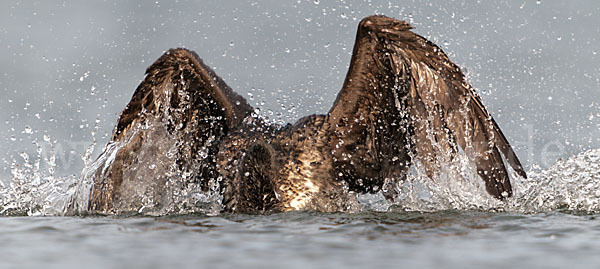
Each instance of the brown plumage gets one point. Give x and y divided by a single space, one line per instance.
402 101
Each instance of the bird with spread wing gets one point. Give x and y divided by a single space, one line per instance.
403 101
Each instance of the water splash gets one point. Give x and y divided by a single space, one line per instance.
572 184
34 192
160 185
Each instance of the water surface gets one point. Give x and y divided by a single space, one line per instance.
441 239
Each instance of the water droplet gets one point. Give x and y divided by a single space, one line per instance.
25 156
28 130
316 2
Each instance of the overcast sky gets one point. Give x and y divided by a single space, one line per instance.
66 64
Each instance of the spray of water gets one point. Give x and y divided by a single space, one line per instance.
572 184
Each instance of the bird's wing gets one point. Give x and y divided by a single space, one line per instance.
180 104
180 83
392 65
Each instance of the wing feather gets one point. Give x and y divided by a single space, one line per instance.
443 100
445 111
181 104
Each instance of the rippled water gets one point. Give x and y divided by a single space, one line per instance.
442 239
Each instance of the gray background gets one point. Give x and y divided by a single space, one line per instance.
66 64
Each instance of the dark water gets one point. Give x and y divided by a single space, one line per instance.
442 239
